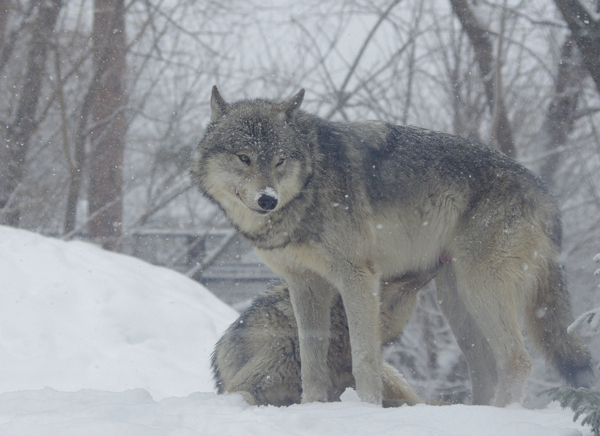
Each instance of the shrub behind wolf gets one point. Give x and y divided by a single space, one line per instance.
338 207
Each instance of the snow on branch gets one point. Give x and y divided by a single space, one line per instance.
592 317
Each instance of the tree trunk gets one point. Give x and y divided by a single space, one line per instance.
105 206
3 21
586 32
478 36
18 134
79 155
560 115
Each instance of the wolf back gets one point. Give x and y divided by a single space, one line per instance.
339 207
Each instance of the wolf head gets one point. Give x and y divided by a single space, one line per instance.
253 160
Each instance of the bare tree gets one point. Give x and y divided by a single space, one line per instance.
9 41
467 105
586 33
482 45
108 136
3 20
560 117
18 133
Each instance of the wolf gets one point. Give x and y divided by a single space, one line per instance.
258 356
339 207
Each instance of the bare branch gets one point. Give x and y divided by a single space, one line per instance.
9 45
342 98
586 32
482 46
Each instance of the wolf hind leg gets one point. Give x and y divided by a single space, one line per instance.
398 301
490 297
311 300
396 390
547 317
473 344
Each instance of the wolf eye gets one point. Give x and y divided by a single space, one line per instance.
244 158
281 161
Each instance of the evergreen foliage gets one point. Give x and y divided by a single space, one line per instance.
582 401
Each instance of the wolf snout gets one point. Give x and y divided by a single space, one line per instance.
267 202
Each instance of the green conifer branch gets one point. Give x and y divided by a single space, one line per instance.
581 401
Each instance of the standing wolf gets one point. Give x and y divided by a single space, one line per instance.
338 207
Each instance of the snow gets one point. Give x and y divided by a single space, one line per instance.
98 343
134 412
74 316
267 191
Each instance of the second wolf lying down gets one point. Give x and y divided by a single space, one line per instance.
259 357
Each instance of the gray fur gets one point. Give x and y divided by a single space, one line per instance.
339 207
258 356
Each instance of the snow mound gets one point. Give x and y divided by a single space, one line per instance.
73 316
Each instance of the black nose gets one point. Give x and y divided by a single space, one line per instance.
267 202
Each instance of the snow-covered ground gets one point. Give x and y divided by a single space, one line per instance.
97 343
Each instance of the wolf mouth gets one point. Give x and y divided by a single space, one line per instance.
260 212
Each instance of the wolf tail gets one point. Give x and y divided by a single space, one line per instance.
547 318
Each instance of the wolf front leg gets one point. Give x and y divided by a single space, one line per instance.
360 293
311 300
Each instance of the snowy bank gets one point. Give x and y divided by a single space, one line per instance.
73 316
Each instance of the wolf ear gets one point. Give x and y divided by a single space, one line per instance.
218 106
289 108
